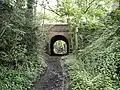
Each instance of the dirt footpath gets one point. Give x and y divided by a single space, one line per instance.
55 77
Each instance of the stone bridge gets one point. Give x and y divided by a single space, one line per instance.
56 32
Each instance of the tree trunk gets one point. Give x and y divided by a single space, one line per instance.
30 11
30 37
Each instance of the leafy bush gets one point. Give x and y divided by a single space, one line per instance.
97 64
18 69
95 72
21 78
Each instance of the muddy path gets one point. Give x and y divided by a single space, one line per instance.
55 77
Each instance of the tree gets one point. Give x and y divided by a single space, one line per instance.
30 37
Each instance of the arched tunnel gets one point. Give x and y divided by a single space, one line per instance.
54 40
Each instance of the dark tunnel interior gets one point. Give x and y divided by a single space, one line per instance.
57 38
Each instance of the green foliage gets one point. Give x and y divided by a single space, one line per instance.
116 14
21 78
82 80
98 59
16 53
18 69
60 47
96 71
11 33
98 55
97 64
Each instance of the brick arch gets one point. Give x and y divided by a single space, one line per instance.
54 39
56 32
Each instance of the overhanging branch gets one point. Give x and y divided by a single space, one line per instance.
89 6
50 9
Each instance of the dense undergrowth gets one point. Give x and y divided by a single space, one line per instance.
20 58
21 78
97 64
97 25
98 57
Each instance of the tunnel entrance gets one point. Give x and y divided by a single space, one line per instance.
59 45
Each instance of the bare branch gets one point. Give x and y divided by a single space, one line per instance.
3 31
5 25
50 9
89 6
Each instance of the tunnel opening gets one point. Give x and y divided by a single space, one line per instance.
59 46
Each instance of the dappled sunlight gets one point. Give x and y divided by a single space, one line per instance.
60 47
